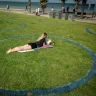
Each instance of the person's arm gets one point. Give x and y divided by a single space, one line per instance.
47 44
44 44
40 37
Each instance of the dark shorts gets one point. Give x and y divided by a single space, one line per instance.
33 45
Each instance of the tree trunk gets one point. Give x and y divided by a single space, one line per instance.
43 5
63 3
76 8
83 7
29 6
43 10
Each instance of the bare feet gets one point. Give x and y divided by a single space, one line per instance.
8 51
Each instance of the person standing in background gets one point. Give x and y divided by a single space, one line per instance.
7 7
67 9
74 10
52 9
26 9
38 10
63 9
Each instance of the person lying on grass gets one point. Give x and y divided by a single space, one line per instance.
41 42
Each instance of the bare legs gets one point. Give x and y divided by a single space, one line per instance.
25 47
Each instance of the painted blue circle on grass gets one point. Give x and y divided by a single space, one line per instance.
23 25
89 31
57 90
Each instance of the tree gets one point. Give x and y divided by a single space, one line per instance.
43 4
63 2
83 7
29 6
76 7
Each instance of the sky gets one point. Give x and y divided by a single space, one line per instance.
68 1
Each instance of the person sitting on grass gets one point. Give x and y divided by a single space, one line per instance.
41 41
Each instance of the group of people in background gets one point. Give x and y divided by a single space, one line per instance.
36 11
67 10
63 9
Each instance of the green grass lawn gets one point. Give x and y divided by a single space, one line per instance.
45 68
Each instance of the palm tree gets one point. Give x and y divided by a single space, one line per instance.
76 7
29 6
43 4
63 2
83 7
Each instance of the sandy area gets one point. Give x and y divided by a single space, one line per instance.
22 11
89 20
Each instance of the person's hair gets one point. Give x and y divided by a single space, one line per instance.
52 43
42 36
45 34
